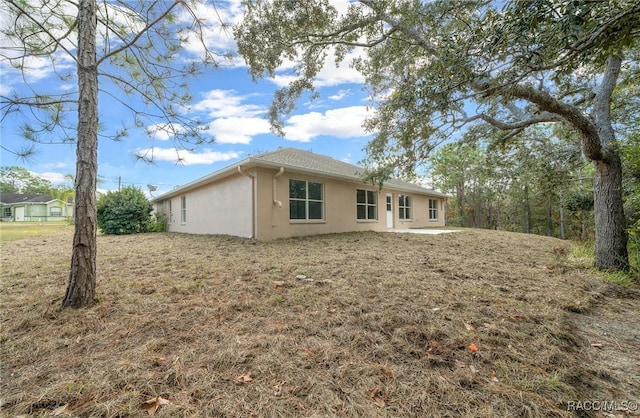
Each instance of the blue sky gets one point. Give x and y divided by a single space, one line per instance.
228 100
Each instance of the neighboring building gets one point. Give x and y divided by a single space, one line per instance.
291 192
16 207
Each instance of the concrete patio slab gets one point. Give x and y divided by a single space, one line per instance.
423 231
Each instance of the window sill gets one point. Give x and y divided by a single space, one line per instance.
307 221
367 221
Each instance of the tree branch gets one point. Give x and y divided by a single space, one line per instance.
506 126
412 33
139 34
602 105
54 40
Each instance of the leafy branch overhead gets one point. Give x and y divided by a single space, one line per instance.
426 60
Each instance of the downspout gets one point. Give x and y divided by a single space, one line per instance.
253 201
275 187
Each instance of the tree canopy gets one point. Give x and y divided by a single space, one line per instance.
14 179
435 67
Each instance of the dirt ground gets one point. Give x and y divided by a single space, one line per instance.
470 324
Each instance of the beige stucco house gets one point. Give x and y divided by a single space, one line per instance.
291 192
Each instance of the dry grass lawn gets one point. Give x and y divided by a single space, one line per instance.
469 324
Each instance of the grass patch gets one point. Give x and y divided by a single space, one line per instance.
380 326
12 231
582 254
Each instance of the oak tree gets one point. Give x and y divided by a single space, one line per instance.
436 66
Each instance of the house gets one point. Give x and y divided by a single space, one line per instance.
33 207
291 192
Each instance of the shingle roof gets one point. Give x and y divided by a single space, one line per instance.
308 161
9 198
321 164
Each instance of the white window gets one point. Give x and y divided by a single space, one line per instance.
404 206
55 211
306 200
433 210
7 212
367 204
183 206
170 212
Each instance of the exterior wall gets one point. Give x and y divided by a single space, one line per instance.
223 207
340 208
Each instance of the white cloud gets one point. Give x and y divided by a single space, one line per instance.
343 122
219 103
330 74
186 157
341 94
53 177
233 120
237 130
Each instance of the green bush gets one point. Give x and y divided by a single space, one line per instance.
126 211
159 223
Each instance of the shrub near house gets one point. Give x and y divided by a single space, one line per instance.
126 211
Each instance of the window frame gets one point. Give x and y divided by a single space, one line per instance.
8 212
306 201
367 205
59 210
404 207
183 210
433 211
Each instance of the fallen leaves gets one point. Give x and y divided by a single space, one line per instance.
277 389
61 410
387 371
152 405
244 379
377 394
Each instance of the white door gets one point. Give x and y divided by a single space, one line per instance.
389 210
20 213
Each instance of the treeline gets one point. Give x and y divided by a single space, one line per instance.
14 179
536 182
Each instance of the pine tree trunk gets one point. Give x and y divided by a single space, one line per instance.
611 235
82 277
